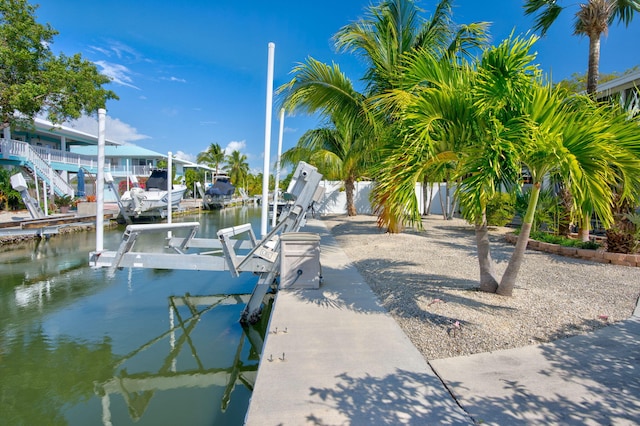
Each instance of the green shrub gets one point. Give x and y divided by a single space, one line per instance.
563 241
500 209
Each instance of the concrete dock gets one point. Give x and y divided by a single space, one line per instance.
335 356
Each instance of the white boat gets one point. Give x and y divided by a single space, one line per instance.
151 202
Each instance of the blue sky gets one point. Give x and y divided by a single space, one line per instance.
190 73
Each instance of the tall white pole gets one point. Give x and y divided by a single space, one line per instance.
169 189
267 142
275 192
100 182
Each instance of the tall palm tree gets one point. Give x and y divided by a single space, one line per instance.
342 149
213 157
593 19
392 30
238 168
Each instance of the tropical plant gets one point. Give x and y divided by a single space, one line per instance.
33 79
546 216
213 157
492 119
385 38
593 19
9 197
337 153
342 149
237 168
500 209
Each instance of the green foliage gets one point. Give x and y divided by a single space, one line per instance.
563 241
500 209
10 199
63 200
577 83
191 176
238 168
33 79
547 209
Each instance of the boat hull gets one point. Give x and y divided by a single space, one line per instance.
153 203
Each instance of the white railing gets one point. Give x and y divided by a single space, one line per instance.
35 161
64 157
142 171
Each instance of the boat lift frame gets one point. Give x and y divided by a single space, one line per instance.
237 249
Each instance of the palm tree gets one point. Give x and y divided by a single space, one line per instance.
213 157
238 168
593 19
390 32
337 152
490 121
395 28
340 150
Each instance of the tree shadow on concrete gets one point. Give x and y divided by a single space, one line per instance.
403 397
597 382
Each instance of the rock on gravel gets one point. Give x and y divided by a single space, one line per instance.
428 281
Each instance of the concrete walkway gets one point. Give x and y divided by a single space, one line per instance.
334 356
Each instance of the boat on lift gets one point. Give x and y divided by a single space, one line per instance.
151 201
220 193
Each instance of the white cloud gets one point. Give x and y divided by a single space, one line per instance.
176 79
115 129
117 73
116 48
184 156
235 146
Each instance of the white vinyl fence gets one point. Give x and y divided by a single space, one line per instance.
335 198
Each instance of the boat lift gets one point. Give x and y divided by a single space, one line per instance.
237 249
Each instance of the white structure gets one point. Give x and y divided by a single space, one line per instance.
625 89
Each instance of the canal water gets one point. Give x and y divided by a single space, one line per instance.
144 347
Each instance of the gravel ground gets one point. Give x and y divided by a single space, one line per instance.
428 280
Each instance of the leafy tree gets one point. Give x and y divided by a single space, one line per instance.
593 19
213 157
33 79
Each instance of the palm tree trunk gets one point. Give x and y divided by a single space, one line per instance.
449 207
594 63
427 187
508 280
349 187
585 225
488 279
442 205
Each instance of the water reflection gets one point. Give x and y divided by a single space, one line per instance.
137 388
145 347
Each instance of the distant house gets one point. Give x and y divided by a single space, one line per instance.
45 151
127 163
55 154
624 89
131 160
